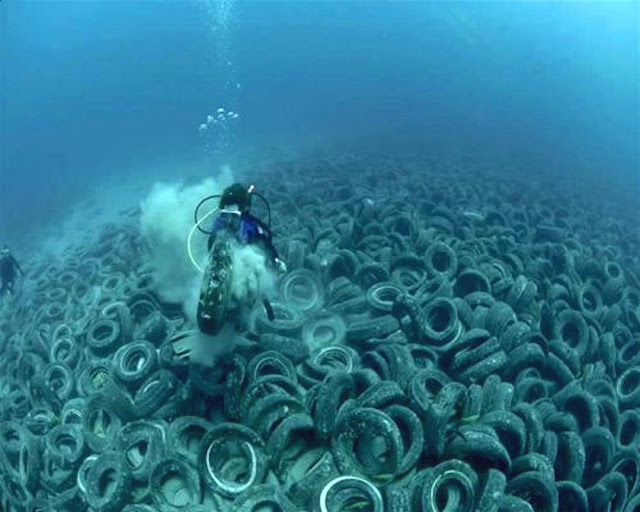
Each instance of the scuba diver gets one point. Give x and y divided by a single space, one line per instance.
235 219
233 228
9 269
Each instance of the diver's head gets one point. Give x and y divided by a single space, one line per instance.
4 251
237 196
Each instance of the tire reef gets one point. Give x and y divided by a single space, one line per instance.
441 341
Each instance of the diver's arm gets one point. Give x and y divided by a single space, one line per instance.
271 251
262 235
281 266
273 256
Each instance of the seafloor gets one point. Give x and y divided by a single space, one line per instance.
446 339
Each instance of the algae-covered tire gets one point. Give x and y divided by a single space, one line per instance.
108 482
215 289
175 484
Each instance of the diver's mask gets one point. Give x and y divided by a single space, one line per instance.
232 209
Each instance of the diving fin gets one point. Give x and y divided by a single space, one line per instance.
268 309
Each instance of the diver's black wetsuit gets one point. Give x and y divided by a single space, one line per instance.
9 268
247 230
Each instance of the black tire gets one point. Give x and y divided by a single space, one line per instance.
185 435
73 412
292 347
54 385
20 454
108 483
65 350
271 496
65 445
215 289
13 494
174 484
142 443
40 420
104 337
454 481
293 428
104 416
135 362
95 375
352 446
155 394
237 442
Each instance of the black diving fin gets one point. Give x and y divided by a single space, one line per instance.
268 309
182 342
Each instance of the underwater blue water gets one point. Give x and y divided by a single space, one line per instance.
96 89
445 306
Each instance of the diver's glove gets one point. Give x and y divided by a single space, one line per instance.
281 266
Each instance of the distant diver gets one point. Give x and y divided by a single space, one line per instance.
9 269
